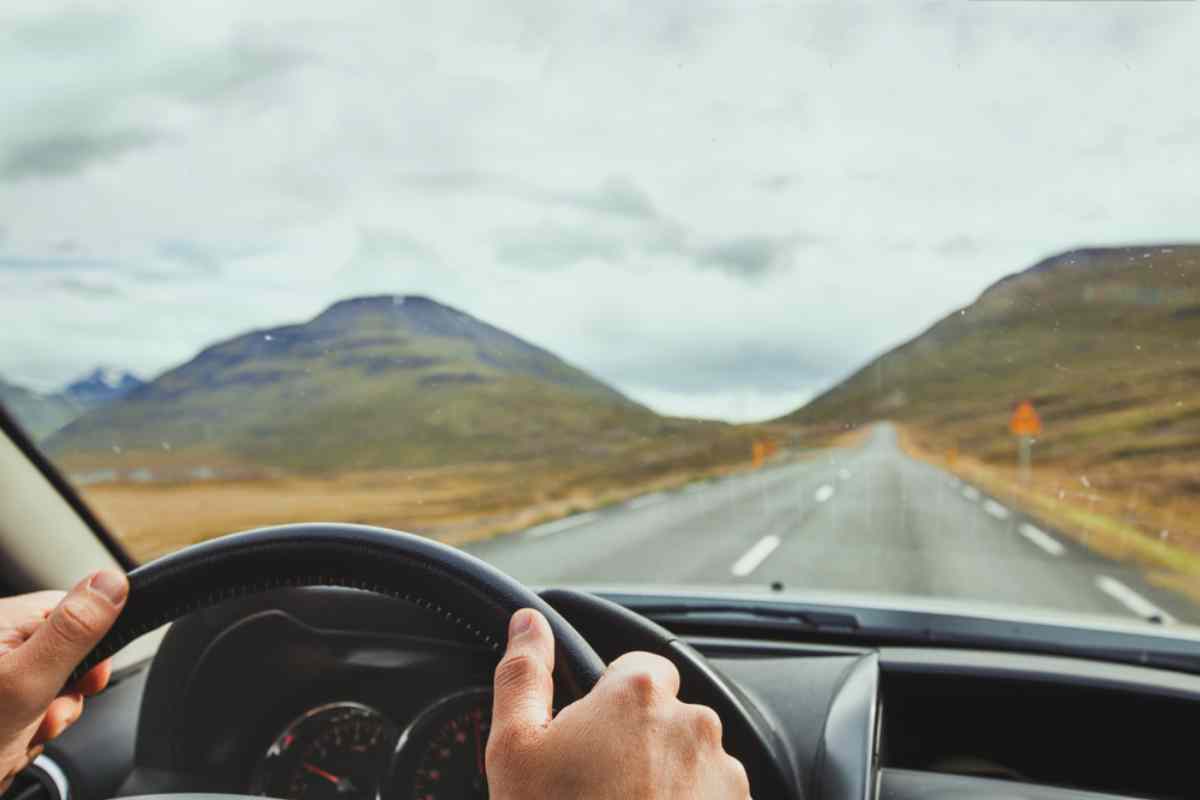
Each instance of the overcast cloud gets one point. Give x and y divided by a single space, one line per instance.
721 208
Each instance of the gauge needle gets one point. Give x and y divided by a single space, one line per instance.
343 784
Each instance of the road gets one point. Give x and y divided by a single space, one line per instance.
866 519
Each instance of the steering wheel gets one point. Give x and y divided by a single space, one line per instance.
462 589
459 587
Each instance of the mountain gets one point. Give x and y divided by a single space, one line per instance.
39 414
100 387
384 381
1104 341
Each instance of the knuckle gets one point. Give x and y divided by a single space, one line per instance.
707 725
76 621
641 686
516 670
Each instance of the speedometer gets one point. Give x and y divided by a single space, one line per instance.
440 755
337 751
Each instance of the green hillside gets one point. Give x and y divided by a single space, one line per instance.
1105 342
369 383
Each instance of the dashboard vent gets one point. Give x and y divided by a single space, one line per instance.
41 780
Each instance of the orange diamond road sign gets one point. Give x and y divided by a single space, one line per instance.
1025 420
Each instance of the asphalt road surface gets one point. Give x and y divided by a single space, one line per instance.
866 519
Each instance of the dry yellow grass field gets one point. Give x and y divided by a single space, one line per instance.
453 504
1143 512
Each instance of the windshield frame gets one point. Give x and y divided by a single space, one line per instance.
24 443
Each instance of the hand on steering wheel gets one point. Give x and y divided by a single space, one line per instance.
629 737
43 636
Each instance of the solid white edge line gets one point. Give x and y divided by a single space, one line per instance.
995 509
755 556
1041 539
971 493
823 493
562 524
1131 599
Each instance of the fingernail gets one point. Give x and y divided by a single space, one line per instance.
521 622
110 585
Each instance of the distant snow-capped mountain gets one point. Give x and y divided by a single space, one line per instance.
43 413
101 386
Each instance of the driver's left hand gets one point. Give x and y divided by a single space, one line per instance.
43 636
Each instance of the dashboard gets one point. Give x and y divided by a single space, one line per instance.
324 694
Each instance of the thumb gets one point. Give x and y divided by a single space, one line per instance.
73 628
524 686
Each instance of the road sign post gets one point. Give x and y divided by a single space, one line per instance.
1025 424
1025 457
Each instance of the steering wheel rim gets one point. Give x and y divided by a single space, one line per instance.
464 590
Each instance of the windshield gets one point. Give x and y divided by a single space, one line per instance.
883 300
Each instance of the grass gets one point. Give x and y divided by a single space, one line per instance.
1106 344
1109 519
455 504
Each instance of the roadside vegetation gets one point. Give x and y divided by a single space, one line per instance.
455 504
1105 343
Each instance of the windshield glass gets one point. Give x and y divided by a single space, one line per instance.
881 299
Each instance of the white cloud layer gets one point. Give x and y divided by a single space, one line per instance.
721 208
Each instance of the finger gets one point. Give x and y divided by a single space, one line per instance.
644 673
60 715
524 686
35 605
30 755
73 628
95 680
23 613
704 724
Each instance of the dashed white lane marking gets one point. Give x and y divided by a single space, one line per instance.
995 509
971 493
755 556
1131 599
646 500
1041 539
824 493
561 524
844 474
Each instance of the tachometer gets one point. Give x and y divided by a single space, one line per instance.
338 751
440 755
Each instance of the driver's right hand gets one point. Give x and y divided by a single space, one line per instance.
629 738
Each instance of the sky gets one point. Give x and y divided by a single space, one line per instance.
719 208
